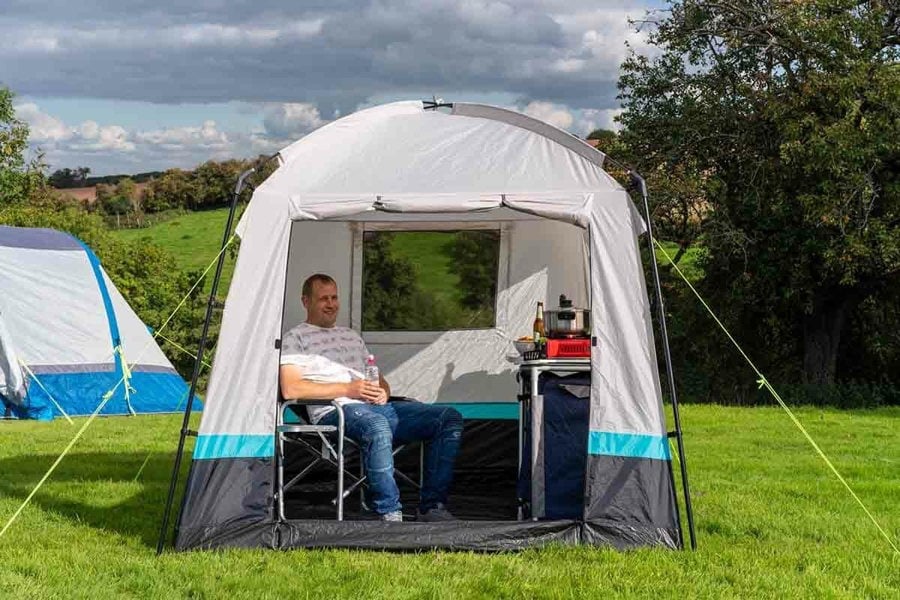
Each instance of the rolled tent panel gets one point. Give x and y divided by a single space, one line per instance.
629 481
400 150
12 380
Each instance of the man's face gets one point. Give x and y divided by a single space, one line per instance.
322 304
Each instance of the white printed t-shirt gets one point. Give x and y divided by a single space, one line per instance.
326 355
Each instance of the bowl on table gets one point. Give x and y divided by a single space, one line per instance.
524 345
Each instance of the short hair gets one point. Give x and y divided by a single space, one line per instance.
306 292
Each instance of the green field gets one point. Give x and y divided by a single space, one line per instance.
194 239
771 520
425 249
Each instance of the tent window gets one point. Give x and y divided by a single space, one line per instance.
430 280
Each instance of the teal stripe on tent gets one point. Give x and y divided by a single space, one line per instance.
485 410
634 445
225 445
108 305
508 411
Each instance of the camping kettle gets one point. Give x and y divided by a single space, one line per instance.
567 321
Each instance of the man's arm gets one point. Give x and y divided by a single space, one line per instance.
295 387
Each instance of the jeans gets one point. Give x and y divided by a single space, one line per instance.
377 428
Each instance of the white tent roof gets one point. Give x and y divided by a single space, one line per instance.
405 162
403 157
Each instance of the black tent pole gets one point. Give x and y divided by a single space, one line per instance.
198 361
641 185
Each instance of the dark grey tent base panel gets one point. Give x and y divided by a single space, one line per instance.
480 536
624 489
229 505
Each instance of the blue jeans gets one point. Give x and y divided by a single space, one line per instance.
377 428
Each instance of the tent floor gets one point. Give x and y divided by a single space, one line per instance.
484 486
476 496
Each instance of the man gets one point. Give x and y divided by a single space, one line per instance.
371 419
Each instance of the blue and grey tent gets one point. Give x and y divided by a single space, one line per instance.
563 225
68 337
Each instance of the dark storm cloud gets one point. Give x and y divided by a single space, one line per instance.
333 54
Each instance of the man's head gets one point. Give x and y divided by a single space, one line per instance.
320 299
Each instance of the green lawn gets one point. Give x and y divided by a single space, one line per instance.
771 520
194 239
425 249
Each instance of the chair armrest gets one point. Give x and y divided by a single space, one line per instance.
310 402
285 404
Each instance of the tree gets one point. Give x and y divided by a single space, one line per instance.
474 256
69 178
392 298
214 183
17 177
607 140
779 124
173 189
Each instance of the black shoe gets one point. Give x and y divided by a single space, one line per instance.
437 514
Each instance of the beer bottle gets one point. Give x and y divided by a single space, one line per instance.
538 328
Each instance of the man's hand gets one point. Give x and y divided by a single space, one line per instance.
369 391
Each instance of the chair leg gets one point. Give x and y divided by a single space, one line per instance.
340 458
421 464
361 480
280 476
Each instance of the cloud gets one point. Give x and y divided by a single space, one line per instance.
204 137
91 137
333 54
557 116
291 120
42 127
591 119
114 148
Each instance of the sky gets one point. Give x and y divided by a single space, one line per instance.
127 86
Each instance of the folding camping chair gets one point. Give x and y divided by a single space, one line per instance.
331 439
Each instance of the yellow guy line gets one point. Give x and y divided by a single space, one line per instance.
183 349
46 391
764 383
107 396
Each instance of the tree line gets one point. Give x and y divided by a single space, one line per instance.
210 185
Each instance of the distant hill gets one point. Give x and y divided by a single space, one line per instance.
114 179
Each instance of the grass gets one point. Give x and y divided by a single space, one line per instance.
426 250
194 238
687 263
771 522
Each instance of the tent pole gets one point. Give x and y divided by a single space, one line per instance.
198 361
641 185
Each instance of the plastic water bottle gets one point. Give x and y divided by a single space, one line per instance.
372 373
